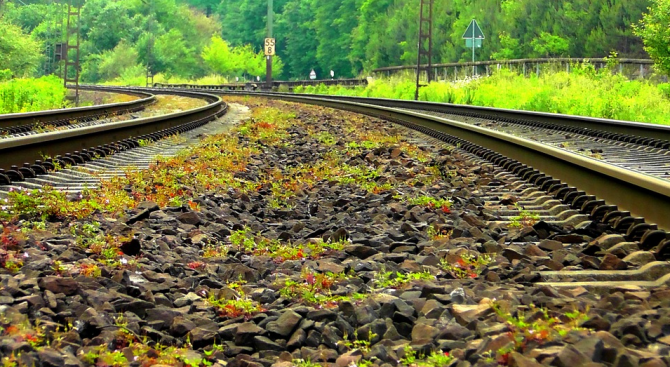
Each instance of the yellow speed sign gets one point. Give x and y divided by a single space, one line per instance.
269 47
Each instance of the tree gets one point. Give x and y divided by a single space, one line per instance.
229 61
174 56
509 48
18 51
655 33
296 39
112 63
219 57
550 45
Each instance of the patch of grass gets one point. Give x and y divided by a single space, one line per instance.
361 344
431 202
243 240
240 306
435 234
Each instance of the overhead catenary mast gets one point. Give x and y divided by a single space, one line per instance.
425 36
72 59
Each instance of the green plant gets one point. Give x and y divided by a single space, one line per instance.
26 95
467 265
525 218
315 289
431 202
536 326
390 279
326 138
362 345
240 306
242 239
214 251
304 363
144 142
90 270
582 91
58 268
434 359
434 234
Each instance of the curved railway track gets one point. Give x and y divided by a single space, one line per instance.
74 146
18 122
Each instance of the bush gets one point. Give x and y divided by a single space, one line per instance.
26 95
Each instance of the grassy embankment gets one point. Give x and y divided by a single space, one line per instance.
26 95
584 92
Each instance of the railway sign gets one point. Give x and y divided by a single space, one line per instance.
332 74
312 75
473 37
269 47
477 42
473 31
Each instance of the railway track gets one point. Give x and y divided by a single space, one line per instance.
583 173
79 145
612 177
21 122
561 186
560 263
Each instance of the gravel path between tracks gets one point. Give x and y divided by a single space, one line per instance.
307 235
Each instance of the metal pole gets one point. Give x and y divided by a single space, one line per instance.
268 59
474 68
150 44
418 57
430 40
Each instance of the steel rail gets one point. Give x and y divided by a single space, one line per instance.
106 137
45 117
633 132
657 135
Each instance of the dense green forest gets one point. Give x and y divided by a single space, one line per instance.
195 38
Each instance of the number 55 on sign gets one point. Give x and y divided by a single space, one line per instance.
269 47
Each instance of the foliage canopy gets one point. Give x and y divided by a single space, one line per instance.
176 37
655 32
